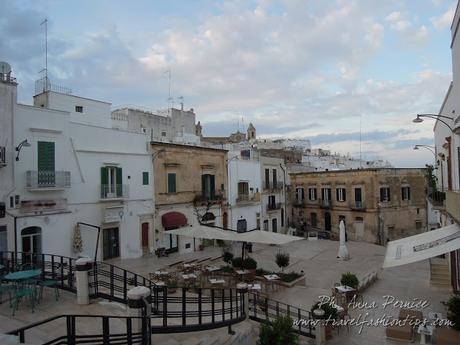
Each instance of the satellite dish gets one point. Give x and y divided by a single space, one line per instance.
5 67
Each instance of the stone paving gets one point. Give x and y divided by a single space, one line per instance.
316 258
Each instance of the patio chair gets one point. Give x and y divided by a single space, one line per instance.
51 284
24 292
6 288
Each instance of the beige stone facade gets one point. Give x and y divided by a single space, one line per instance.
187 179
377 205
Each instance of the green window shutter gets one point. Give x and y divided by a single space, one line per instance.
104 181
212 184
171 183
119 180
45 156
145 178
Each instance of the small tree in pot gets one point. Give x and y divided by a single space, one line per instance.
228 256
282 260
350 279
279 332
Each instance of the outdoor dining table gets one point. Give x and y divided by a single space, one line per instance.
344 289
216 281
22 275
255 287
272 278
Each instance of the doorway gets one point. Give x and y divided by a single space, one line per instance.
275 225
359 228
327 221
145 237
111 243
31 239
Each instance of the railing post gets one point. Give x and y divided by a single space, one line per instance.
82 268
242 289
320 330
138 306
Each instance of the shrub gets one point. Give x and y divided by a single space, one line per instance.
237 262
228 257
279 332
227 269
261 272
250 264
282 260
349 279
330 312
453 311
289 277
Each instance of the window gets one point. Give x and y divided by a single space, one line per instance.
241 225
274 225
267 178
46 164
78 109
187 245
271 200
326 194
145 178
312 194
358 195
418 224
384 194
274 178
300 197
163 133
405 193
111 182
341 194
3 238
171 182
282 217
243 190
208 187
258 220
313 219
266 225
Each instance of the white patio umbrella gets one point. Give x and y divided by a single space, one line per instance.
343 250
201 231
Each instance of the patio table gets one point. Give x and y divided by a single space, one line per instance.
22 275
212 268
189 276
216 281
272 278
344 289
255 287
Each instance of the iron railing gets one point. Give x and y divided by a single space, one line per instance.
270 185
262 309
299 203
252 197
357 205
47 179
112 330
212 196
116 191
44 84
325 203
188 309
273 206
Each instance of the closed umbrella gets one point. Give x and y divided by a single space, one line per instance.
77 240
343 250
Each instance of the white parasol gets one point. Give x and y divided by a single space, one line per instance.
343 250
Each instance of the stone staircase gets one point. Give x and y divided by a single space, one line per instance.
440 275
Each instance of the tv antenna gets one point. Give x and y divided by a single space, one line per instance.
360 141
181 99
45 22
170 100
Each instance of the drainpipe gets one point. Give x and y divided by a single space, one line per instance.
285 192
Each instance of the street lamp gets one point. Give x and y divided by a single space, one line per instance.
18 148
419 119
427 147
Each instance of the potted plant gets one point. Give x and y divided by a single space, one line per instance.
227 257
453 311
172 285
350 279
237 262
282 260
280 331
250 264
330 313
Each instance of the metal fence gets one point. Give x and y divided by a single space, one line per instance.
47 179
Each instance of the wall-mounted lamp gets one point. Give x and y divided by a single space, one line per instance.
23 143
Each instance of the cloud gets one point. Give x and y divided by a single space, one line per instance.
444 20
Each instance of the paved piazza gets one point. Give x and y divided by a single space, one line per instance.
316 258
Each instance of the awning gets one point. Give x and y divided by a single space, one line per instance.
173 220
255 236
423 246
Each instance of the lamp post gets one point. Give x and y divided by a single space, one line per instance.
427 147
18 148
420 117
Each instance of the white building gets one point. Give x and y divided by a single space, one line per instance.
244 187
78 169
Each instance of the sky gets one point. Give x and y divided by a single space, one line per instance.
328 71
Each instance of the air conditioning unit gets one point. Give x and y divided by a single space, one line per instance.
2 156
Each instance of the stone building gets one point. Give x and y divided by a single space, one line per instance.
376 205
188 180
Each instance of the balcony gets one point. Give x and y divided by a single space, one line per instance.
437 199
2 156
209 197
357 205
247 198
47 180
298 203
325 204
452 204
274 206
272 186
114 192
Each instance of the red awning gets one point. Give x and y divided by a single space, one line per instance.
173 220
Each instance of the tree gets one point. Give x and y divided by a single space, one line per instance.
282 260
431 179
280 332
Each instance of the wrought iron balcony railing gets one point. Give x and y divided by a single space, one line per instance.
357 205
114 191
213 196
243 198
273 206
325 203
299 203
270 185
36 180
